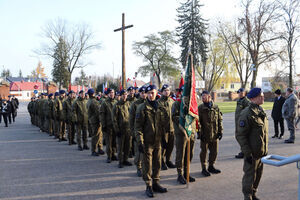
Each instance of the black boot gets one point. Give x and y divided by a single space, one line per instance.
108 160
275 136
127 163
191 179
205 172
149 191
170 164
114 157
86 147
240 155
95 154
163 165
80 148
120 165
101 152
254 197
181 179
158 188
213 170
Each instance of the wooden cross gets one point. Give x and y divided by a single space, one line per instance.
123 49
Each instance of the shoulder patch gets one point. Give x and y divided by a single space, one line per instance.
242 123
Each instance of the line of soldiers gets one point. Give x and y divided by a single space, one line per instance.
8 109
133 122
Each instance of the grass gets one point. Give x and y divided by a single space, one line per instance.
228 107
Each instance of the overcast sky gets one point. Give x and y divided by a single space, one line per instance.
21 22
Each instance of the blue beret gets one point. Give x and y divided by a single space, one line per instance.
142 89
205 92
105 92
254 92
122 92
56 94
241 90
50 95
130 88
136 88
91 91
109 90
151 87
117 93
62 92
71 92
165 86
81 91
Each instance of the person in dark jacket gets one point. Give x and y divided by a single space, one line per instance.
5 110
277 114
13 108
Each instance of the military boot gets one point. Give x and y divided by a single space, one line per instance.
158 188
240 155
139 172
127 163
170 164
94 154
149 191
101 152
80 148
163 165
205 172
86 147
213 170
181 179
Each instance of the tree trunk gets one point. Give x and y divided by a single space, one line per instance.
254 75
291 70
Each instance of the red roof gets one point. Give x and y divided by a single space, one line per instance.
77 88
25 86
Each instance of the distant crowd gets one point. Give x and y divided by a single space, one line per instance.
8 109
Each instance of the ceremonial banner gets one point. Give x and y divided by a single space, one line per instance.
188 106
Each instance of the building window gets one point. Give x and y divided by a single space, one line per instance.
232 86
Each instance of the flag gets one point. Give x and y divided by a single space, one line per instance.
188 106
70 86
106 86
180 85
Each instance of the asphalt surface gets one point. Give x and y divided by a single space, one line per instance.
35 166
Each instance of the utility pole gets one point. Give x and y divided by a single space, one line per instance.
123 48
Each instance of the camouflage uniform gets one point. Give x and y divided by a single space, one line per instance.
80 118
210 128
67 109
252 136
107 126
59 117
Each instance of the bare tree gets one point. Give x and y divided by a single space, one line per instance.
79 41
257 33
240 57
217 61
290 18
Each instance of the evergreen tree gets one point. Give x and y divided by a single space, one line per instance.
192 28
60 71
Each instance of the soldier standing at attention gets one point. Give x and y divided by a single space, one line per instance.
29 108
107 125
241 104
252 136
120 116
93 107
59 115
51 117
166 102
67 106
132 110
149 135
210 132
131 98
80 118
181 142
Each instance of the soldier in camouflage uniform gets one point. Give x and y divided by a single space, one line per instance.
30 110
252 136
181 143
107 125
210 131
138 156
67 109
46 111
80 118
51 116
93 107
166 102
131 98
120 117
42 114
241 104
149 136
59 116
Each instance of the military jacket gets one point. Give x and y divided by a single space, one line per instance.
67 109
252 132
166 103
93 107
30 107
46 109
210 122
132 112
131 99
241 104
148 124
120 116
58 109
51 108
105 113
80 112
